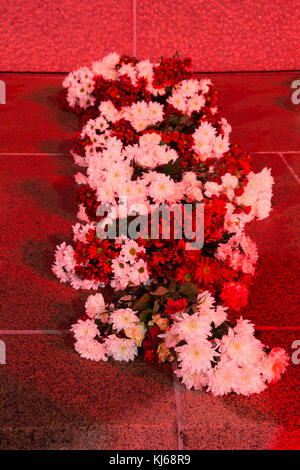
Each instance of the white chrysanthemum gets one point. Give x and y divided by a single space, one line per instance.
106 194
81 214
244 327
109 111
234 223
249 381
229 181
60 272
130 249
80 86
87 284
95 305
196 381
85 329
213 315
219 315
151 155
139 272
212 189
64 265
274 364
189 87
258 193
91 349
223 378
80 178
165 189
195 103
107 66
226 127
192 327
155 112
204 85
130 71
243 348
171 337
81 230
196 357
220 146
178 101
121 349
204 133
205 300
145 69
151 138
123 318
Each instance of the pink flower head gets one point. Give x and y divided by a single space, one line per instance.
274 364
85 329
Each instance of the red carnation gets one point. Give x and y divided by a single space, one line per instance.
174 306
235 295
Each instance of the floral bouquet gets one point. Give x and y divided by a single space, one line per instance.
164 198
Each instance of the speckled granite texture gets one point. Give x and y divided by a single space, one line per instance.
53 399
220 35
59 35
269 420
50 397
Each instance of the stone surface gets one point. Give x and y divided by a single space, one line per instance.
269 420
53 399
38 200
221 35
31 120
293 160
60 35
273 295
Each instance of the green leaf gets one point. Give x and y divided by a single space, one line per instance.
189 291
156 306
220 331
172 169
161 290
185 120
142 303
172 286
188 288
173 120
146 315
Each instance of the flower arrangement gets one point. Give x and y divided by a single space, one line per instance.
152 138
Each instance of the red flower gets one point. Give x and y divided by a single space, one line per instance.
94 258
151 356
125 132
87 197
207 271
171 71
151 340
174 306
184 274
235 295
